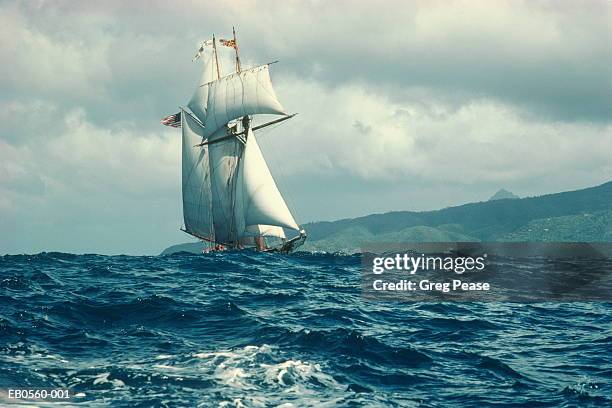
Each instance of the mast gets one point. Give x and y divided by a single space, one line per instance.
245 124
238 68
216 58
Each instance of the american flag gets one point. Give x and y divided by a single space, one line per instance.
228 43
172 120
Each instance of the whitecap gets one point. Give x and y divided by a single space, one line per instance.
269 379
101 378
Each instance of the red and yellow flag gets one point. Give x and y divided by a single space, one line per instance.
228 43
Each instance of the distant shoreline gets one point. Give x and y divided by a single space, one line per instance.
583 215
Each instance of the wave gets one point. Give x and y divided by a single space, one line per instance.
252 329
343 342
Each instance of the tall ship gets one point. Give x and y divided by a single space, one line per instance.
230 199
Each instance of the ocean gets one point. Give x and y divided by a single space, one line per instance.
247 329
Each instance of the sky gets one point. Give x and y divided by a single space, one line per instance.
414 105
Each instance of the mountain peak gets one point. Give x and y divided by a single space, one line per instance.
503 194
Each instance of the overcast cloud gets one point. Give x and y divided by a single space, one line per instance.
402 106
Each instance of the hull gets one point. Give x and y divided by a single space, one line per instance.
289 246
284 248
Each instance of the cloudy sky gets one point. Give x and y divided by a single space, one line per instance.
402 106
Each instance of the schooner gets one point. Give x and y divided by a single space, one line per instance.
230 199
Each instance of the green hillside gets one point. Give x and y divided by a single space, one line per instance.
581 215
582 227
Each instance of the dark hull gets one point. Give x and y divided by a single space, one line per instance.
289 246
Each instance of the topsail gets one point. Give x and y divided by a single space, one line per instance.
245 93
199 100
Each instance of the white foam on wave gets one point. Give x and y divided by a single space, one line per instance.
269 379
584 386
164 367
31 353
292 372
103 378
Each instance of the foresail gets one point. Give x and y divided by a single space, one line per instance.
197 212
258 201
249 92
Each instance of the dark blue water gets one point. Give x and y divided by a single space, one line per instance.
257 330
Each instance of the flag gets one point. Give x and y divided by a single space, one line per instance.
201 49
172 120
228 43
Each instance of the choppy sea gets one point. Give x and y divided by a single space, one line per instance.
247 329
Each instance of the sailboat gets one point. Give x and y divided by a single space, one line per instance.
230 199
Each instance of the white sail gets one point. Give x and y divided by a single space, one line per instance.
258 201
249 92
229 195
197 213
266 231
224 156
198 102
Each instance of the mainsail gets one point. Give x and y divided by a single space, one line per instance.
197 206
229 194
197 199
